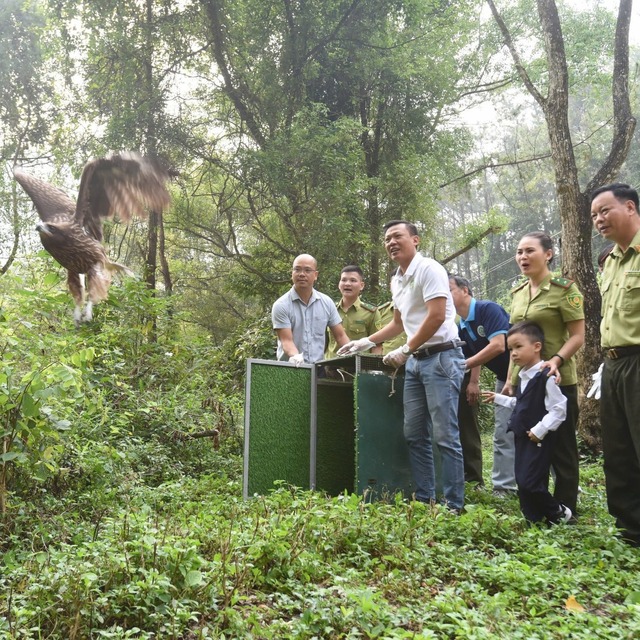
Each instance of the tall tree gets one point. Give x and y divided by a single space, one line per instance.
340 121
572 198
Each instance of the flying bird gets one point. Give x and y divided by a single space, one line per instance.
123 184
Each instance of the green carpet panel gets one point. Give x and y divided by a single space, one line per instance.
335 433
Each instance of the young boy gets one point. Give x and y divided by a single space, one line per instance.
539 408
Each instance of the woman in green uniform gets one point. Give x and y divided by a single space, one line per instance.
556 304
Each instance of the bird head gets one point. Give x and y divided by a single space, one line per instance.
44 229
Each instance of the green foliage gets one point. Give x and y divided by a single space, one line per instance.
62 389
41 392
138 530
337 119
191 558
25 79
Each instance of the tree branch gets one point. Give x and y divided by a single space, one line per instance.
624 122
220 56
473 243
508 40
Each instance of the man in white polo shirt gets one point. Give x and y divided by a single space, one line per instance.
434 363
301 316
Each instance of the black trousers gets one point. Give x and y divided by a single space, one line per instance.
620 419
533 462
470 436
564 458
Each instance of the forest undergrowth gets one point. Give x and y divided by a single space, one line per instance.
189 558
120 521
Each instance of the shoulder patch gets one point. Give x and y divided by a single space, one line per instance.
565 283
574 299
369 307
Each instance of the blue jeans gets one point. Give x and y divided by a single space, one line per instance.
431 391
504 448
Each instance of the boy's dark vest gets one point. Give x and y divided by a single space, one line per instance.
530 407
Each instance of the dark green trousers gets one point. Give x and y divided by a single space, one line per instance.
470 436
620 419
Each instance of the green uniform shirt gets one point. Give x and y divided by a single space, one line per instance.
386 315
359 321
620 326
556 302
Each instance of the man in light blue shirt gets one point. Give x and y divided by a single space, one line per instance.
301 316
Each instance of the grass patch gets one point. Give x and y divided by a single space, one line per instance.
188 558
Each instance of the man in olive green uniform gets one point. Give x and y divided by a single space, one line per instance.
359 319
385 312
614 211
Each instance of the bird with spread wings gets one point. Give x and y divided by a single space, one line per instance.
123 184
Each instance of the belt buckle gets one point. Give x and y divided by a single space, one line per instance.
613 354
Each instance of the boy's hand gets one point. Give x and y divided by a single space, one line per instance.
488 396
534 438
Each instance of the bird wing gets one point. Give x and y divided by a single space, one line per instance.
52 204
124 184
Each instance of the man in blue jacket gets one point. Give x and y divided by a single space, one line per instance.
483 327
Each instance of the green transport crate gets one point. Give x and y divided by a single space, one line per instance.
343 417
279 425
360 445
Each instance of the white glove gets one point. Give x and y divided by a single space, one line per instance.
355 346
298 359
594 391
396 358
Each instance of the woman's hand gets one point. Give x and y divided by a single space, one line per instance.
554 365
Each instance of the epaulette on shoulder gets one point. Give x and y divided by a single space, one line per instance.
385 305
565 283
369 307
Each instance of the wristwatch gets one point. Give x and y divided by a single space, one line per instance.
406 349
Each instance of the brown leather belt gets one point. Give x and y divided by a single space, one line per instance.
425 352
622 352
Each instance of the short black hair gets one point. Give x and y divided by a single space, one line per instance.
411 228
461 282
352 268
528 328
621 191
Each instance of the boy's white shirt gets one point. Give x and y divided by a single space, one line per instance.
554 401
